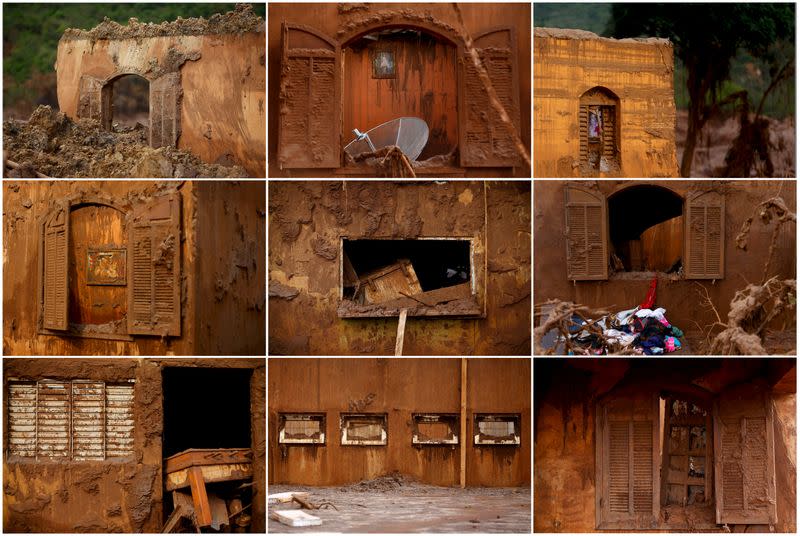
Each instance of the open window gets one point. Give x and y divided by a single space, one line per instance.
364 429
301 428
599 132
435 429
428 277
497 429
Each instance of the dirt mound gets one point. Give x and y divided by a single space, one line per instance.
392 481
51 144
239 21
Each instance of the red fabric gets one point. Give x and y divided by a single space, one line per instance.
650 300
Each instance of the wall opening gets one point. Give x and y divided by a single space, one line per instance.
646 229
497 429
435 429
301 428
205 408
128 97
364 429
599 114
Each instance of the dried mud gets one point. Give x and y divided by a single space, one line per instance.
239 21
51 144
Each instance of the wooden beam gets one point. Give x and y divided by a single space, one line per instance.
202 508
463 472
401 332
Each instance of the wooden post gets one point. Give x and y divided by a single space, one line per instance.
202 508
463 422
401 332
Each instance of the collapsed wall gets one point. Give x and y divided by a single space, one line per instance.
571 67
207 82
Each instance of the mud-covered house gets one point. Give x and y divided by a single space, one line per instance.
602 107
340 68
349 261
669 445
134 445
601 244
134 268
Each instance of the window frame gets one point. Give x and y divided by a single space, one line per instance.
384 421
417 418
516 418
305 416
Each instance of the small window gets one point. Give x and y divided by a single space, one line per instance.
497 429
70 420
301 428
434 429
364 429
599 132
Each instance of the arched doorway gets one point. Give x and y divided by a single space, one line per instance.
599 132
646 229
126 101
402 71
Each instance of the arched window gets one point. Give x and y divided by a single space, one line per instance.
599 132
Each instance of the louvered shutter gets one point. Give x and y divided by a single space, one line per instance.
583 130
744 466
55 285
609 133
22 419
308 130
627 490
484 141
53 419
88 420
586 234
119 420
154 292
704 219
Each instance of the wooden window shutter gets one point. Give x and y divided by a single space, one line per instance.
119 420
609 133
483 139
22 419
627 492
88 420
583 130
586 234
154 290
308 128
744 465
704 247
53 419
55 284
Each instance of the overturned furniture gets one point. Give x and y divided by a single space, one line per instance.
231 473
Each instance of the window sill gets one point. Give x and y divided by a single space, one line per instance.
642 276
462 307
87 334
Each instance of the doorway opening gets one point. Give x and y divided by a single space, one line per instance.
128 97
599 132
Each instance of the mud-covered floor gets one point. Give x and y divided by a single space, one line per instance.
380 507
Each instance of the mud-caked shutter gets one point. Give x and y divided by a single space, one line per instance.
308 129
744 468
154 292
704 235
586 232
627 476
484 140
55 288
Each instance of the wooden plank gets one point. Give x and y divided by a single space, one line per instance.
296 518
286 496
202 507
194 457
211 473
463 469
401 332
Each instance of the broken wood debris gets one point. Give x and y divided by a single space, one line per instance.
390 160
295 518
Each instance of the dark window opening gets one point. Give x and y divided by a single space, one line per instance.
646 230
205 408
377 271
130 103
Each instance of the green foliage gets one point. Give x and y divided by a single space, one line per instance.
31 31
592 17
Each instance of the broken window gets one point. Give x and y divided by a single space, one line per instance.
429 277
363 428
686 474
599 133
71 420
497 429
301 428
434 429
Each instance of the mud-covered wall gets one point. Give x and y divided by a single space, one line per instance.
397 387
111 496
306 222
231 243
678 296
567 63
340 21
220 87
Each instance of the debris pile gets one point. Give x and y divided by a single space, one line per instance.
50 144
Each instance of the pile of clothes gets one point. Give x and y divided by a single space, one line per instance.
643 329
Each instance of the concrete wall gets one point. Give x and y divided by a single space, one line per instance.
400 387
307 220
222 304
678 296
207 92
110 496
639 72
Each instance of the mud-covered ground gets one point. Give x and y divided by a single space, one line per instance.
395 504
51 144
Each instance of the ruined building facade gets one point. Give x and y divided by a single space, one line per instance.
602 107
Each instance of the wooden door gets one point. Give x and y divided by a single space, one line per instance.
688 456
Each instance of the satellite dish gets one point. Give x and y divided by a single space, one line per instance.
410 134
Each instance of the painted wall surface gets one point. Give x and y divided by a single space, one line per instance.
678 296
306 222
223 112
399 387
222 304
340 21
567 63
112 496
